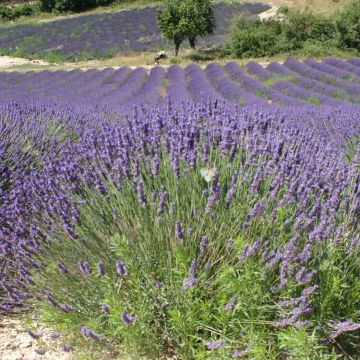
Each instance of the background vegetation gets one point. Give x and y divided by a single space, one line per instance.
294 30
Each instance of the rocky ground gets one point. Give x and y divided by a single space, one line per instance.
17 344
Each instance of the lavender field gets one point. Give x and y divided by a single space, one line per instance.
185 213
331 83
106 34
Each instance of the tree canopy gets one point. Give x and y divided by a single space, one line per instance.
186 19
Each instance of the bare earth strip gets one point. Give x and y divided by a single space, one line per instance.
17 344
8 61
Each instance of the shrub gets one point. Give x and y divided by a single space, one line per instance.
300 26
256 38
348 26
7 13
289 31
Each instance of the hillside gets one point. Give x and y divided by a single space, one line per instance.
105 34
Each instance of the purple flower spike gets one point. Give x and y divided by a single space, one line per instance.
34 335
189 283
127 318
62 267
105 309
230 305
343 327
67 308
84 267
179 233
40 351
240 353
55 335
214 345
101 269
120 268
86 332
66 347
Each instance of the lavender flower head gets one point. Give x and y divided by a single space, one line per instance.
66 347
191 281
84 267
87 332
127 319
105 309
179 233
101 268
62 267
121 268
214 345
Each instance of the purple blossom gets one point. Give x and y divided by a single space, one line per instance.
84 266
62 267
127 319
66 347
214 345
34 335
121 268
179 233
342 327
230 305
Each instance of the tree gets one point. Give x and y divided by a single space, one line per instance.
186 19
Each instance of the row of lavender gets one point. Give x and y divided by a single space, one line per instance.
332 82
193 228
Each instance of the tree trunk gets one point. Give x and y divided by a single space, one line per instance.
192 42
177 46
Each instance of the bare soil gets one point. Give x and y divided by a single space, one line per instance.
8 61
17 344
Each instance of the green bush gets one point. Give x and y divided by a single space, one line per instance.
7 14
291 30
300 26
348 26
256 38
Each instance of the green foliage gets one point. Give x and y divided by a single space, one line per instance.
348 26
300 26
291 30
179 20
71 5
7 13
256 38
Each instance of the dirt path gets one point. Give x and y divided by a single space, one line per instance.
8 61
17 344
